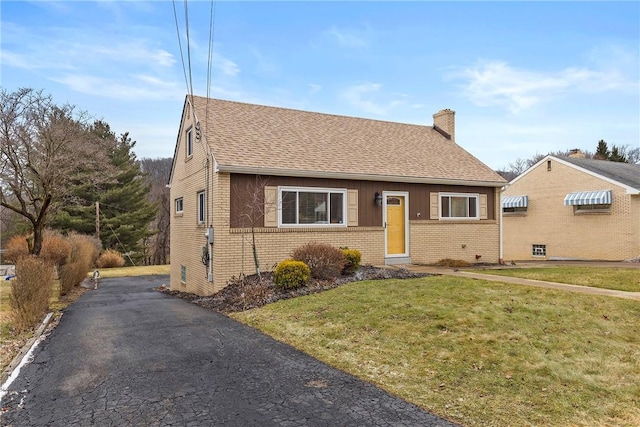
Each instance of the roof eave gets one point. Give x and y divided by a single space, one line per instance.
353 176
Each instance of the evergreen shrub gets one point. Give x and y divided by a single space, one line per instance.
352 258
291 274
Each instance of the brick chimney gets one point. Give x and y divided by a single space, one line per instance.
576 154
445 122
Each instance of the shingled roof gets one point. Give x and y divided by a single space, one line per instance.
247 138
624 173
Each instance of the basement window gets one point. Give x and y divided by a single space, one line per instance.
539 250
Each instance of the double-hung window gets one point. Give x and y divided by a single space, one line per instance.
179 205
189 142
201 207
458 206
309 206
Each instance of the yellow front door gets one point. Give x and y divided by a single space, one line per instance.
395 225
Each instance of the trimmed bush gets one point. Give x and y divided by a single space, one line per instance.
325 261
352 258
81 260
30 292
16 248
110 259
291 274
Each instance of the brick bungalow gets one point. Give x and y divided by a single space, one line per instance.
573 208
399 193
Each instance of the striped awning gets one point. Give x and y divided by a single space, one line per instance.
515 202
602 197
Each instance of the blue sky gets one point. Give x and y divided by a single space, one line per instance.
523 77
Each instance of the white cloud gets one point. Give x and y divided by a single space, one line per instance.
496 83
135 88
369 98
314 88
349 37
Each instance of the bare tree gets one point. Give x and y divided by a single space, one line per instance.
45 149
158 171
252 211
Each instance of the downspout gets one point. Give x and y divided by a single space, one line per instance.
209 194
501 258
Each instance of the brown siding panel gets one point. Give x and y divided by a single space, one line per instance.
369 214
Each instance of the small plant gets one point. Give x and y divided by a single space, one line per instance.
30 292
110 259
16 248
291 274
352 258
325 261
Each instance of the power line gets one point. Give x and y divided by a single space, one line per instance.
184 70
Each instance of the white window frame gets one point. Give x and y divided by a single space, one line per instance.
189 142
475 196
202 206
179 205
321 190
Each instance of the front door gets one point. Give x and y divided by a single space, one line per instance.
395 222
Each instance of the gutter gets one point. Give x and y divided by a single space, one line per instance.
248 170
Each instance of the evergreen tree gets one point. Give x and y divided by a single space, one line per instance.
602 151
125 212
617 155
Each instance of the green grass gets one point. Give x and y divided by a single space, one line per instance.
621 279
476 352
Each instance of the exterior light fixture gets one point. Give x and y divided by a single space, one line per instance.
378 199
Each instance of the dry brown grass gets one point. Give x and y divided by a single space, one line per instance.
110 259
80 261
30 292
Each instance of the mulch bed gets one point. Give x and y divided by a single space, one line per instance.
247 292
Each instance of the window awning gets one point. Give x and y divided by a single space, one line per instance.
602 197
515 202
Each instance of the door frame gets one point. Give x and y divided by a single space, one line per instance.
405 195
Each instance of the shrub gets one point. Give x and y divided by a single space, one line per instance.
325 261
110 259
16 248
30 292
352 258
55 249
291 274
81 260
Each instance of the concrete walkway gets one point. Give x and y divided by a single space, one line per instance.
126 355
475 273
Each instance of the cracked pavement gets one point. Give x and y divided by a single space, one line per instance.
126 355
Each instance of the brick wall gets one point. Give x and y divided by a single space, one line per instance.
603 236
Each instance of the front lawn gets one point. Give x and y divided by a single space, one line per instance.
476 352
621 279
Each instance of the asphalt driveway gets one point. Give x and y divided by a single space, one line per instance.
126 355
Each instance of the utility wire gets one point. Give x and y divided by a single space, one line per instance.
186 22
184 70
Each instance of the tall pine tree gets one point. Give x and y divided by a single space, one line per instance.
602 151
125 211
